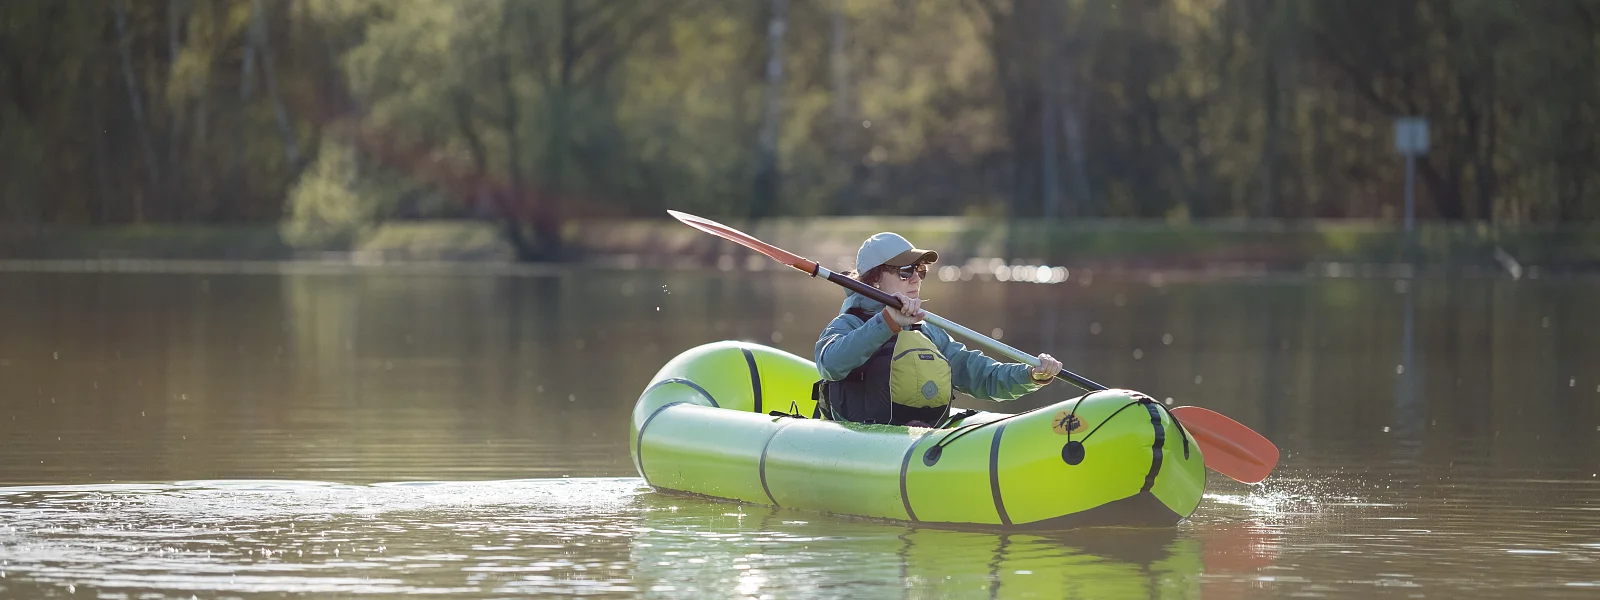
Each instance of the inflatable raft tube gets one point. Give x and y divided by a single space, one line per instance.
1114 457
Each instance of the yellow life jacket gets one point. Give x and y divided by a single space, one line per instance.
919 375
906 379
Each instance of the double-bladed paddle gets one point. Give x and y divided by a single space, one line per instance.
1229 447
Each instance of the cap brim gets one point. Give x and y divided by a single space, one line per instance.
913 256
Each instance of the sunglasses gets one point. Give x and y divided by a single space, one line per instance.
906 272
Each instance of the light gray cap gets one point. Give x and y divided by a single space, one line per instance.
888 248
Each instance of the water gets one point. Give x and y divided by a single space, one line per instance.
464 434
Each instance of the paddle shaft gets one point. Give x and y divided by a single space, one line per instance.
993 344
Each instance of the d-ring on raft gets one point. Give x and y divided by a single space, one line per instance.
1113 457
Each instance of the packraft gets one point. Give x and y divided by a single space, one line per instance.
738 421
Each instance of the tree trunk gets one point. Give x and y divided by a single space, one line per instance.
102 162
1080 199
1279 39
766 182
845 122
247 71
1080 202
175 120
558 146
556 92
1270 143
234 183
512 199
462 103
1047 44
134 103
174 21
205 180
1051 180
1487 178
839 74
260 40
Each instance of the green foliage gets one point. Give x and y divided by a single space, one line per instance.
437 240
22 186
536 112
327 206
340 199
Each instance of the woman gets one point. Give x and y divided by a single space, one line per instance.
882 365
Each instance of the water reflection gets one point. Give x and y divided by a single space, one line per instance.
374 377
1325 537
1469 472
1409 409
756 550
540 537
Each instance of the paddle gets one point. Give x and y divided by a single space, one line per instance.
1241 453
1229 447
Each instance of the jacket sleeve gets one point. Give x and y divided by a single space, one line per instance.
847 343
981 377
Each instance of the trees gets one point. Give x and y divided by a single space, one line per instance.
533 112
119 111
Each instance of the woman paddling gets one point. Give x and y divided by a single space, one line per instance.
882 365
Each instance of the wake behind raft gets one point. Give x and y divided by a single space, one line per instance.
706 425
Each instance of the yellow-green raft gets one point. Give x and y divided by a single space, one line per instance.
703 427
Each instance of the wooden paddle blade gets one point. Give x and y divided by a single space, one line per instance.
746 240
1229 448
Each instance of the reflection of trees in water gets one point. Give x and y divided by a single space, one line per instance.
465 360
136 366
1312 363
692 546
488 339
322 319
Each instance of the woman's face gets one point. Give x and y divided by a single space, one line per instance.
892 283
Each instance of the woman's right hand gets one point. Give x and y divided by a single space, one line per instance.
910 311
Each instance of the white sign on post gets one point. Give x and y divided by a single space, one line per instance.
1411 139
1411 135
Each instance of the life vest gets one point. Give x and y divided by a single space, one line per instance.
906 379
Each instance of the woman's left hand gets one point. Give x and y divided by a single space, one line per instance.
1047 369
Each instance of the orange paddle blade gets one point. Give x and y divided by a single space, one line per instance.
746 240
1229 448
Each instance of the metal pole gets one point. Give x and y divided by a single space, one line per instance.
1411 206
1411 211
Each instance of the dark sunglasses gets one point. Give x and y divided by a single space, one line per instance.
906 271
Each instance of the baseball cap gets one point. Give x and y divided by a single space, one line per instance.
888 248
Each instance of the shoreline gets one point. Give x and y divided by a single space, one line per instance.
1217 249
1154 274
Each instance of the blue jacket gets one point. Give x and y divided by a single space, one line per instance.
848 342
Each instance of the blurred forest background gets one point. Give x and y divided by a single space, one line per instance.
332 116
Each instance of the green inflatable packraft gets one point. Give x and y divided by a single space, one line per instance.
1114 457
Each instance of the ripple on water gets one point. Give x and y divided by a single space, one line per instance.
531 537
246 536
1328 536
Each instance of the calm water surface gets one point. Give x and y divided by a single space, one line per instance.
398 432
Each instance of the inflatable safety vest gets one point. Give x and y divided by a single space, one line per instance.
906 379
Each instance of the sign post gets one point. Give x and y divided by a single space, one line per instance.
1411 140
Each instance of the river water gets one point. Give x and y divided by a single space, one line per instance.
458 432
